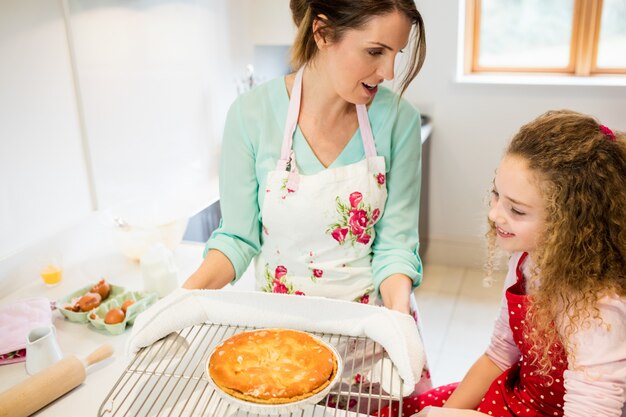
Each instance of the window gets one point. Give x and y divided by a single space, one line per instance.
574 37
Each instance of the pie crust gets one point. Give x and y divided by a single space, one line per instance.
272 366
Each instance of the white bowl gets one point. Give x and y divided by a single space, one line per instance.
139 224
134 241
274 409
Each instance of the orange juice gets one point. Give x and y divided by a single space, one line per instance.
51 274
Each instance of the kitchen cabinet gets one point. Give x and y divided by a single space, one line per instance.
424 219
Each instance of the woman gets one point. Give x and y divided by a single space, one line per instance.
327 209
320 172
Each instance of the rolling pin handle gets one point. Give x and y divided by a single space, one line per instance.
99 354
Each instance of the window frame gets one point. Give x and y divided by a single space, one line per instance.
584 43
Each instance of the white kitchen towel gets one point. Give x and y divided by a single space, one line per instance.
395 331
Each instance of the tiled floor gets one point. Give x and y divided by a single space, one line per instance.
457 314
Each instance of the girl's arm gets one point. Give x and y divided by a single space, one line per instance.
500 355
474 385
595 383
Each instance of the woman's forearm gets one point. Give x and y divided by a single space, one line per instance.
215 272
474 385
396 291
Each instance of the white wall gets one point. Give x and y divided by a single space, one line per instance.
153 79
151 74
472 125
271 22
43 183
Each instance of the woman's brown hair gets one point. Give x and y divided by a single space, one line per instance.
581 256
343 15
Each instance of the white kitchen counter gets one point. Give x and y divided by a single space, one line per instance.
82 339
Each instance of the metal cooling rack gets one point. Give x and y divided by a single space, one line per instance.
168 379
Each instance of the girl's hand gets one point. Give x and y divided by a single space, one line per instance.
396 292
447 412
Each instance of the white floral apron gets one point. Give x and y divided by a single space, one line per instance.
318 229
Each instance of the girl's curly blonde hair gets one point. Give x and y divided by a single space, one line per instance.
581 255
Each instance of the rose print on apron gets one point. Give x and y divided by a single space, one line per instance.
318 229
356 220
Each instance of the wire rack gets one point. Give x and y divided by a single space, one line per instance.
168 378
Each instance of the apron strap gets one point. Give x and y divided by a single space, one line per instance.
292 120
518 271
366 131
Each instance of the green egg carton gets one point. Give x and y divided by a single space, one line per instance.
82 316
141 300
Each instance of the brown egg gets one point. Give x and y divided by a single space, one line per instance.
72 307
103 288
127 304
114 316
89 301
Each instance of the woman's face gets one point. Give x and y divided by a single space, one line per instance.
517 207
364 58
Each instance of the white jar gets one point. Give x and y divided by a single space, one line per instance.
159 271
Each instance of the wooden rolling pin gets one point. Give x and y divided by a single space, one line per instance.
49 384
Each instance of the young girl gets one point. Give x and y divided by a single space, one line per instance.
558 206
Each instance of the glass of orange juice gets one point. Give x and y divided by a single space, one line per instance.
51 272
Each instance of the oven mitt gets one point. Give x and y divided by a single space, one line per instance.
16 320
395 331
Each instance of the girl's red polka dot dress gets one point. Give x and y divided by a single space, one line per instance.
518 391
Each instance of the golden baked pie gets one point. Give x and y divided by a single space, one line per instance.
272 366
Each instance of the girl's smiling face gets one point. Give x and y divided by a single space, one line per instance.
364 58
518 209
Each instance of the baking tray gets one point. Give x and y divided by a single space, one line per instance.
168 378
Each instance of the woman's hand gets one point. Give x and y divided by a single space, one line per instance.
396 292
214 273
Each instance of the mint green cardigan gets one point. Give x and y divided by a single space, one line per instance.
251 146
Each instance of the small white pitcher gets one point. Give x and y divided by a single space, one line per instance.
42 349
